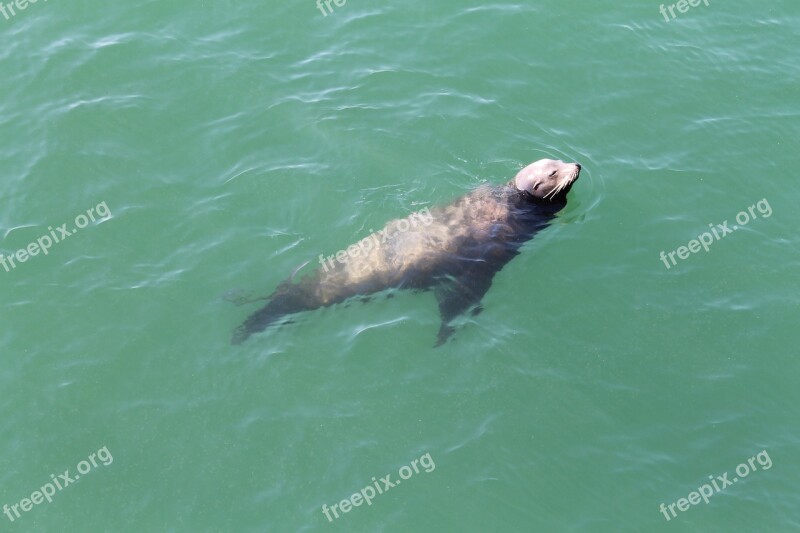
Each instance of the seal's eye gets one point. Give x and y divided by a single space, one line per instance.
553 173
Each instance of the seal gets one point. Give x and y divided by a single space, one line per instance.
455 253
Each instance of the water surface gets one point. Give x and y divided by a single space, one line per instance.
232 142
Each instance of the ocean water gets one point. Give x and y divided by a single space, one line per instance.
220 145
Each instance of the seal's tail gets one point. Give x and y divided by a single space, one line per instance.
287 300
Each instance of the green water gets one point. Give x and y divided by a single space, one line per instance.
232 142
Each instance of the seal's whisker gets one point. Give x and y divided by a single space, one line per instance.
558 189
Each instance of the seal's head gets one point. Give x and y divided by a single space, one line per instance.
548 180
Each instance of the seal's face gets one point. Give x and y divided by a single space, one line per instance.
548 179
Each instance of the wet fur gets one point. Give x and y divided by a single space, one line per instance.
456 254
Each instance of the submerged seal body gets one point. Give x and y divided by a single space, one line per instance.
454 250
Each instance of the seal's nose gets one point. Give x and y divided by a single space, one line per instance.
579 166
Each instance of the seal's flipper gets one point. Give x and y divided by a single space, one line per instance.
457 295
444 333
